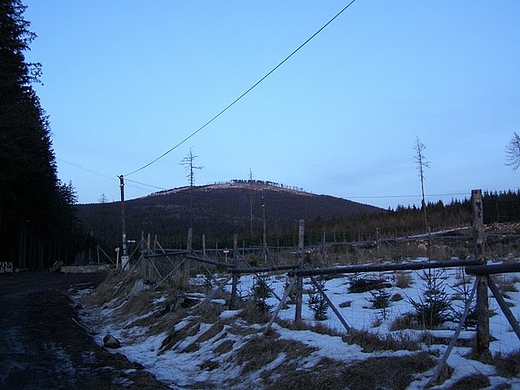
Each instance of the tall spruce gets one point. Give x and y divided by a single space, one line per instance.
35 208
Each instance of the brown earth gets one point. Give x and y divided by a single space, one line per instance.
43 345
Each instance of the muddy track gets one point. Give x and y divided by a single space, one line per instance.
43 345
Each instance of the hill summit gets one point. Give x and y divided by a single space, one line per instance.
219 210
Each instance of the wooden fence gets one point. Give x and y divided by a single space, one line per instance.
150 252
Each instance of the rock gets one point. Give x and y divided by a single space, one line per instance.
138 287
110 341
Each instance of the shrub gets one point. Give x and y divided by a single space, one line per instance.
508 365
371 342
434 308
403 279
361 285
317 302
261 291
380 299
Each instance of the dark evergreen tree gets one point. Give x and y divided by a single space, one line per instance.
35 208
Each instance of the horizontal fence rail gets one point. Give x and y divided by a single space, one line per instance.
350 269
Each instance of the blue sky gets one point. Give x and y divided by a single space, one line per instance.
125 81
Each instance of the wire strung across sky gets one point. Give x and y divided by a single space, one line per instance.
244 94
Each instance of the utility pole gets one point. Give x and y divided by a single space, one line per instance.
124 256
265 250
187 162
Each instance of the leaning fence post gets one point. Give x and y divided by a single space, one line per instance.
299 282
482 286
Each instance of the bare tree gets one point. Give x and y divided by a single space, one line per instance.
422 163
513 152
251 196
187 162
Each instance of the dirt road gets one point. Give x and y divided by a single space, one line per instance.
43 347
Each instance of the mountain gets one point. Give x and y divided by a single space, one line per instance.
218 211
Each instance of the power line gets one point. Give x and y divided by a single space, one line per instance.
405 196
245 93
81 167
144 184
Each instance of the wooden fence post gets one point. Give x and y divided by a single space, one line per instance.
299 282
147 261
189 249
482 280
236 276
189 245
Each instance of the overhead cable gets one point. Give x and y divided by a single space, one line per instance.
244 94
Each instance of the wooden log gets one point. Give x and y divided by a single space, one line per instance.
280 305
263 269
480 270
350 269
505 309
212 262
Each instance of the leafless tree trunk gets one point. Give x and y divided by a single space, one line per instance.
187 162
513 152
422 163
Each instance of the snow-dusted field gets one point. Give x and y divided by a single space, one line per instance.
185 363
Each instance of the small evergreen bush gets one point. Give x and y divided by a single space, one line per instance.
317 302
261 292
434 307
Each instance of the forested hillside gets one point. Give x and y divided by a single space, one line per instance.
219 211
37 222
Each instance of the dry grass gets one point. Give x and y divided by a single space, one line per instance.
392 373
403 279
176 336
302 325
137 305
115 282
477 381
214 330
178 282
507 365
507 282
253 315
260 351
224 347
405 321
371 342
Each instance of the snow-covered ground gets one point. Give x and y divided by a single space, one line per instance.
186 361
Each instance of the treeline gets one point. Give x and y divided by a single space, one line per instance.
37 217
221 214
499 207
403 221
503 206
